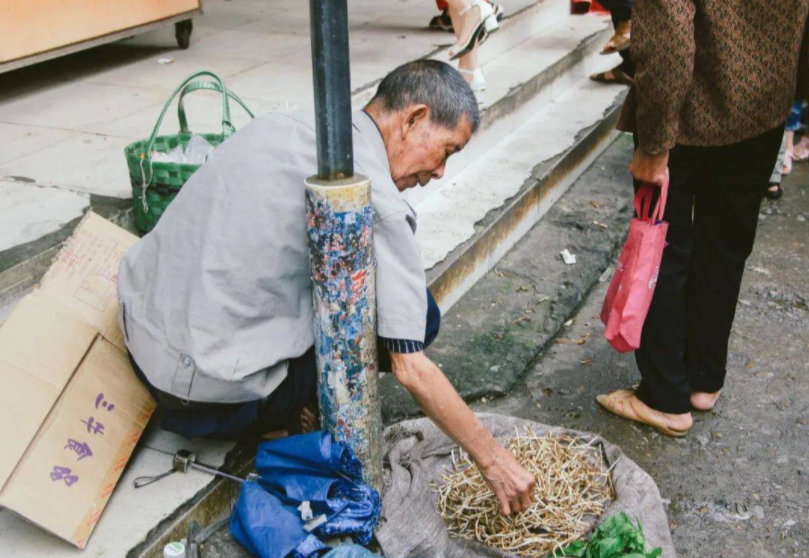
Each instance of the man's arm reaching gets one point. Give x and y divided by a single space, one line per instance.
511 483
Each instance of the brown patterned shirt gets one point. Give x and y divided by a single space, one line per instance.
714 72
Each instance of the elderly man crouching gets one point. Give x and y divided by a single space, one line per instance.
216 302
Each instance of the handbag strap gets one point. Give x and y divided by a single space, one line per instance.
643 201
227 127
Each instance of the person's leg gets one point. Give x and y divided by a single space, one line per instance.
725 218
661 356
776 177
620 10
281 410
464 24
775 191
621 13
793 124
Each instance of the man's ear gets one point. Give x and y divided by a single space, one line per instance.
414 116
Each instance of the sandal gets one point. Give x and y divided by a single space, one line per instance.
622 403
774 194
487 25
620 41
614 76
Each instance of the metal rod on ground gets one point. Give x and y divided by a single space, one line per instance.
340 226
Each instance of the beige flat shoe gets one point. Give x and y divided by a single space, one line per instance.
626 404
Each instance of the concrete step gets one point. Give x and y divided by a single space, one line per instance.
468 225
525 73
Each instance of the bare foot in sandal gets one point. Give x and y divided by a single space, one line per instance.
620 40
626 404
702 401
308 423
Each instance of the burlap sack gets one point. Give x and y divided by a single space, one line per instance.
417 453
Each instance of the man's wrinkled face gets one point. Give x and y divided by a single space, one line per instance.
421 149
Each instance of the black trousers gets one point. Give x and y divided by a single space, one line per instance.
280 410
713 204
620 11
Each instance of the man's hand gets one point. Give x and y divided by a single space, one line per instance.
650 169
512 484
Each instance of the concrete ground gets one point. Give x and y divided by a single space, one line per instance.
737 484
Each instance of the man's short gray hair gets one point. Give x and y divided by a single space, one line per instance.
435 84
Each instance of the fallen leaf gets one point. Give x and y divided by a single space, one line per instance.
580 341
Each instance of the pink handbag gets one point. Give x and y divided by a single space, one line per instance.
632 287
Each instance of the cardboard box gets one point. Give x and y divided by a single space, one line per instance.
71 408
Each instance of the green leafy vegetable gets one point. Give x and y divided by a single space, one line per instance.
616 537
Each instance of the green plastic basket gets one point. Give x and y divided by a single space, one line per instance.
156 184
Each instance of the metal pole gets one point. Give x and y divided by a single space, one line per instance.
330 67
340 227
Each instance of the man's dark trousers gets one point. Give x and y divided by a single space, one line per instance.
684 344
280 410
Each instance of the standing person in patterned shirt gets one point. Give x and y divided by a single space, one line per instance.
715 82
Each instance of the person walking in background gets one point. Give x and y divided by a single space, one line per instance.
775 191
472 21
442 22
715 82
793 125
624 73
789 152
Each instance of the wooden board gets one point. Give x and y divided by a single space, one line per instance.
31 27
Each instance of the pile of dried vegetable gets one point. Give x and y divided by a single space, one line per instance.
573 487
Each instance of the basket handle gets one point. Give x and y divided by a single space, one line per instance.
210 86
227 127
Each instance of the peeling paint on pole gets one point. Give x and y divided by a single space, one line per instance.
340 227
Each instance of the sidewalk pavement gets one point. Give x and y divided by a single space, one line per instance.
65 123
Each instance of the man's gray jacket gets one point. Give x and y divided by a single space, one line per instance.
218 297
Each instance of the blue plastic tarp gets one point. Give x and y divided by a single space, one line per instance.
310 468
351 551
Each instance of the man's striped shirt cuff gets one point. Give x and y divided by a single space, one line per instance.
403 345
